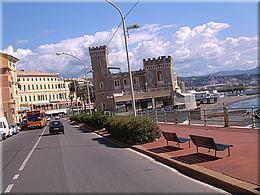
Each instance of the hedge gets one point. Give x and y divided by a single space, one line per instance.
137 130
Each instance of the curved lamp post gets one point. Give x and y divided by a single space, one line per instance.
85 73
126 49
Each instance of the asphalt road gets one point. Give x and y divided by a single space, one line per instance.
81 161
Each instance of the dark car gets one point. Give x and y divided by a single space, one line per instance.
56 126
24 125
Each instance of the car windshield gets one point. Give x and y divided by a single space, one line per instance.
34 117
55 122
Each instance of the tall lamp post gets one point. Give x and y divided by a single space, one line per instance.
126 49
85 73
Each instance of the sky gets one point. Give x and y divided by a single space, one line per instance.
201 37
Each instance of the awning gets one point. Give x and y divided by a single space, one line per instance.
57 111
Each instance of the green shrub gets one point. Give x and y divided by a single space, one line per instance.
137 130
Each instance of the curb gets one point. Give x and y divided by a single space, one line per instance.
219 180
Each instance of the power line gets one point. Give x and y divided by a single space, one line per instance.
122 22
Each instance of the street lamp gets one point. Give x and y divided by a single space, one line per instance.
85 73
126 49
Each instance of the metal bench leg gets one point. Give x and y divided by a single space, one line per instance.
189 143
215 153
228 151
167 142
178 144
209 150
197 149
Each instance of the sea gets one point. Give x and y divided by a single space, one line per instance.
249 103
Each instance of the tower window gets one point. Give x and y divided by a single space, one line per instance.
101 85
159 76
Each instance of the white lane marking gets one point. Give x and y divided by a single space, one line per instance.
16 176
30 153
9 187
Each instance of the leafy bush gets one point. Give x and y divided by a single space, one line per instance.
137 130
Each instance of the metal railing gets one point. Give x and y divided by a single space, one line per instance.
224 117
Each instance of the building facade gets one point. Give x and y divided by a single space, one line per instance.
9 92
42 91
154 86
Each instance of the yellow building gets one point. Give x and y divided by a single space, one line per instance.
42 91
9 95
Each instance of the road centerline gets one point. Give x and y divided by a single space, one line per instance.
30 153
15 176
9 187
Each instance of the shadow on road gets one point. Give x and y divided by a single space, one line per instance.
84 130
164 149
45 135
107 143
196 158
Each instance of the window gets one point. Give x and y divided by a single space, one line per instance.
101 85
25 98
103 105
34 98
27 79
117 83
46 98
57 96
55 86
44 86
40 86
48 79
32 79
159 76
36 86
40 79
44 79
49 96
24 88
36 79
39 97
49 86
32 87
30 98
21 99
53 96
29 87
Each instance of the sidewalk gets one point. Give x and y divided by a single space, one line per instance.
242 164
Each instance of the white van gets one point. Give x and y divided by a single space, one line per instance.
4 128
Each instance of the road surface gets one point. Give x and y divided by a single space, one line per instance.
80 161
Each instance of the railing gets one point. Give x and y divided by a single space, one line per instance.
224 117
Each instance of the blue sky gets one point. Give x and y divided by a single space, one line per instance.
30 25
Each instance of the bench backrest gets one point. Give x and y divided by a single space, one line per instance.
200 141
170 136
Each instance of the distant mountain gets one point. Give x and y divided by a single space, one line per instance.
236 72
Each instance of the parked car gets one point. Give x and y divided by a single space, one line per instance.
4 129
18 127
48 118
56 126
14 129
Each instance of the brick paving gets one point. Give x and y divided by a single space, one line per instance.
242 164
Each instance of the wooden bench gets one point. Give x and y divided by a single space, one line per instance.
173 137
208 142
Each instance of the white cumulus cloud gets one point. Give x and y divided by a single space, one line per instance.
196 51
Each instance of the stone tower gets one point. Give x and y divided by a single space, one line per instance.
102 79
160 73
